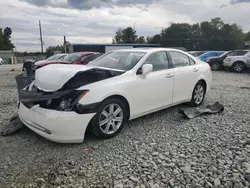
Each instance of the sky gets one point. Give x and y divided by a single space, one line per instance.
96 21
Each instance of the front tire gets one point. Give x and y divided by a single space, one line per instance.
198 94
238 67
110 118
215 66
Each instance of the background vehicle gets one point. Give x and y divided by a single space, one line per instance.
73 58
196 53
1 61
237 63
216 63
206 55
104 94
51 58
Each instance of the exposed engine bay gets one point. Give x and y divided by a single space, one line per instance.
67 97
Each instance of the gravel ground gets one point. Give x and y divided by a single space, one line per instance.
159 150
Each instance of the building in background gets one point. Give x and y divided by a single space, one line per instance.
104 48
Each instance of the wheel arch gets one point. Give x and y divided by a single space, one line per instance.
239 61
123 99
204 82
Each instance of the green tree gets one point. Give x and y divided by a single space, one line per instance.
156 39
141 40
126 35
5 42
50 50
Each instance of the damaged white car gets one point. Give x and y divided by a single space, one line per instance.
65 100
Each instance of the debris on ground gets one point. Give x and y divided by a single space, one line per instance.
246 143
14 125
88 150
210 109
245 87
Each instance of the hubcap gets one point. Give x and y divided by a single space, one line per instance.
198 94
215 66
111 118
238 67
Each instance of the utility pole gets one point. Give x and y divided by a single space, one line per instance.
41 38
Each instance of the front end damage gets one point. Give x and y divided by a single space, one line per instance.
58 115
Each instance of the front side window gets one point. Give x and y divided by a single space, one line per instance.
232 54
159 60
122 60
179 59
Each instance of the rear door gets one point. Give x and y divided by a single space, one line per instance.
186 74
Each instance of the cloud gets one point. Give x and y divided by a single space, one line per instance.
223 6
88 4
239 1
97 20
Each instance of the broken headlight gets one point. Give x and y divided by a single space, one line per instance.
69 101
32 86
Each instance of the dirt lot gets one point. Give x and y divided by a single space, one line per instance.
159 150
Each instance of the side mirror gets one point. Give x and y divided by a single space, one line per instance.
146 68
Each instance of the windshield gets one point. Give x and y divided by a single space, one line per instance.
225 53
118 60
53 57
196 54
71 57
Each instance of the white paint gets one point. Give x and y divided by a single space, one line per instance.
144 93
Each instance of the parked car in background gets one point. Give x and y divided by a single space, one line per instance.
104 94
216 63
51 58
1 61
206 55
196 53
72 58
237 63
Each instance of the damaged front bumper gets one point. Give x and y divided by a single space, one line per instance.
57 126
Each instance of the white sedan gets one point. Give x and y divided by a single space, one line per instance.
65 100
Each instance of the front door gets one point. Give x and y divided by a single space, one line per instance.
155 90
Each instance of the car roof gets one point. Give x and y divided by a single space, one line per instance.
85 53
146 50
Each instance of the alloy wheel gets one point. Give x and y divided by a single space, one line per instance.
238 67
215 66
198 94
111 119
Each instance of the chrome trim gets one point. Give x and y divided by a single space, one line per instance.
36 126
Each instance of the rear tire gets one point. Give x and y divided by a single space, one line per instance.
238 67
198 94
110 118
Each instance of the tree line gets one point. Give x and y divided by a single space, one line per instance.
207 35
5 41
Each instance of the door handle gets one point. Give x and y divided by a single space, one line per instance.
196 69
169 75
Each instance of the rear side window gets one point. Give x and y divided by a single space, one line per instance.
242 52
179 59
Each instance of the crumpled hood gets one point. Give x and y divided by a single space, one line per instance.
53 77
